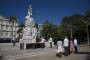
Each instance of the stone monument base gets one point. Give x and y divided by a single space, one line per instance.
26 42
28 45
33 45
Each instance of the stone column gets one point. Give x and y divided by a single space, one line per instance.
25 46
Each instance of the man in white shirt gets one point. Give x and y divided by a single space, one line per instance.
50 41
66 46
13 40
75 45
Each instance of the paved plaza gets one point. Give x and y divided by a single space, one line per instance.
9 52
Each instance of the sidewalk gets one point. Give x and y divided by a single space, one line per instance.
10 52
83 54
14 53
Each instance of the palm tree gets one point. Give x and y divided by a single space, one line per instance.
71 27
20 28
1 25
86 20
12 20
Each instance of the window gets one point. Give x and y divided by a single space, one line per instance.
11 35
6 35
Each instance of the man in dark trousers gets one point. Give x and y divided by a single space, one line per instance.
13 40
75 45
50 41
66 46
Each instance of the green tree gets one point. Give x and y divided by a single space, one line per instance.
45 31
70 24
50 30
86 20
20 28
1 24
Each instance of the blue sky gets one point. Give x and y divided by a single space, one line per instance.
52 10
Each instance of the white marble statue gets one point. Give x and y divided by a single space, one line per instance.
29 20
29 32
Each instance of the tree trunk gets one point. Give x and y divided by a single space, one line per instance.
87 35
71 32
12 31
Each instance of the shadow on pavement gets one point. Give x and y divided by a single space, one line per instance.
1 57
84 53
83 45
87 53
88 57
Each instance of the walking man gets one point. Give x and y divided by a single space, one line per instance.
66 46
75 45
14 40
50 41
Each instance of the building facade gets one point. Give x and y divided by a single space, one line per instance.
6 28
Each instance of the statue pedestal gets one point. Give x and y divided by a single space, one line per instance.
26 42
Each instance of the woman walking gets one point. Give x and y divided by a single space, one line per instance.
71 46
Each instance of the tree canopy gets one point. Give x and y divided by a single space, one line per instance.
73 26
